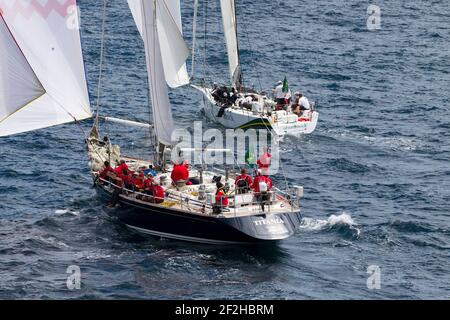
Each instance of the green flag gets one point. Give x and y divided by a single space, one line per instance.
285 85
250 157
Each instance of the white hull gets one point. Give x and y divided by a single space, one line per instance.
239 118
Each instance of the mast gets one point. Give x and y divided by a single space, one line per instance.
159 23
194 36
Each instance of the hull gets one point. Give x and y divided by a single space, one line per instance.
155 220
243 119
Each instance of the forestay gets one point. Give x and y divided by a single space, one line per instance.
42 76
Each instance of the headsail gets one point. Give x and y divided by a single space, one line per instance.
230 30
156 21
174 49
42 77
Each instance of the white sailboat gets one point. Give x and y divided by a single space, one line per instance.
250 109
42 83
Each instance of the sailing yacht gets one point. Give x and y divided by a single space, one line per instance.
43 84
250 109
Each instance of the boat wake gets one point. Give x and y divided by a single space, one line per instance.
342 223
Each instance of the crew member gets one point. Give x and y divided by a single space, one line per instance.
243 182
303 102
279 94
126 179
262 186
157 193
119 169
221 198
179 173
264 162
138 181
107 173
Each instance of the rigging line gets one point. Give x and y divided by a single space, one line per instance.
102 49
205 41
253 62
194 34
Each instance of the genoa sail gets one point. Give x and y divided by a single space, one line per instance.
230 30
42 76
174 49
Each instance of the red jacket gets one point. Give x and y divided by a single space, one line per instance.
179 172
245 177
120 168
158 193
259 179
139 183
264 160
105 171
126 179
221 198
148 183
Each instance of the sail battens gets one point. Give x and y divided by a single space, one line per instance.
230 30
42 76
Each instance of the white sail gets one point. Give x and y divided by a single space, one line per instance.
174 49
144 13
42 78
230 30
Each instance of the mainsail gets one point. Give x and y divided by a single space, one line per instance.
42 76
159 23
230 30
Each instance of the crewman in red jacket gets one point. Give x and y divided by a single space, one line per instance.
180 172
221 198
127 180
106 173
138 181
157 192
261 186
120 167
264 162
256 186
243 182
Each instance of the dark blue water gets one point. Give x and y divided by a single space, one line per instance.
376 171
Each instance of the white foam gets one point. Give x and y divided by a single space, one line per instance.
64 211
343 218
333 220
